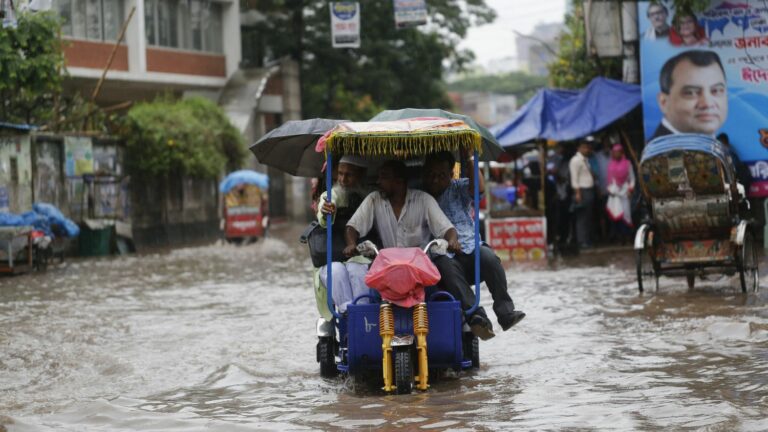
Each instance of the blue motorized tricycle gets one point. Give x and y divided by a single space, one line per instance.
375 337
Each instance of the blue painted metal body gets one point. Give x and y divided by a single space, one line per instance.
444 340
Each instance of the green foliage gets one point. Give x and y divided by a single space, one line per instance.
575 66
520 84
392 68
690 6
31 58
191 137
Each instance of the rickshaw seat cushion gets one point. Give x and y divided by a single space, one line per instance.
400 275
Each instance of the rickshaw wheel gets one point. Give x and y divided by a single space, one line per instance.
691 279
472 349
326 357
403 369
646 271
748 271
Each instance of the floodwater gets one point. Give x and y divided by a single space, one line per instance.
221 338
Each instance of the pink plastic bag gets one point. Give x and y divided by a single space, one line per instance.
400 275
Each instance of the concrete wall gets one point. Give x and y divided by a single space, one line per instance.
172 211
163 212
15 174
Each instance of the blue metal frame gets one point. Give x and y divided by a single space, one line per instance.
329 234
476 168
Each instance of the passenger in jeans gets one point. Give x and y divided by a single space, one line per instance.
455 198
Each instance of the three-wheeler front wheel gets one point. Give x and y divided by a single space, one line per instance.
403 369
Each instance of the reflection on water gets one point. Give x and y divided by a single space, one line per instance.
222 338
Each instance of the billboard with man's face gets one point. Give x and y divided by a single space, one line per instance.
708 73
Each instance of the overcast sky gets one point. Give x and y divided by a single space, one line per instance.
496 41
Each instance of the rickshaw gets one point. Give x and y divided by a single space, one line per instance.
245 205
402 345
697 224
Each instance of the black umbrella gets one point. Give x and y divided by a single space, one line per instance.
291 147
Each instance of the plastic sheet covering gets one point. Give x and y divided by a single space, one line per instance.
243 177
55 217
42 218
400 275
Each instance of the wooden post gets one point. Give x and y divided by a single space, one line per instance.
630 149
543 174
112 55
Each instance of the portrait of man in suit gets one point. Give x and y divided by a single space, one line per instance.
694 95
657 15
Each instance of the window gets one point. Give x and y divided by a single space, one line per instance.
187 24
91 19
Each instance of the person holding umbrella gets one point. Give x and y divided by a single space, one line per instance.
346 196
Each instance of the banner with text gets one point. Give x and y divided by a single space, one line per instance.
410 13
345 24
518 238
716 76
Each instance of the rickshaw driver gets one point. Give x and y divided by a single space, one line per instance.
406 217
347 194
454 198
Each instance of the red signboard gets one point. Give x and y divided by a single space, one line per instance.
243 224
518 238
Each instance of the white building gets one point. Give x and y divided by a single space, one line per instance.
181 48
486 108
169 46
538 49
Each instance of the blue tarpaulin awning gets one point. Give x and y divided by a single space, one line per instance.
563 115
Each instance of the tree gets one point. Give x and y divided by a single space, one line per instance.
191 137
392 68
520 84
31 59
575 65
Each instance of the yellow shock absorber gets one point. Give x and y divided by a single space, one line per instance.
387 331
420 329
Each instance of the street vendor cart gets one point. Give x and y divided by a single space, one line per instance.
16 251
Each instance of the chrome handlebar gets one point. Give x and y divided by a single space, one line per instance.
368 249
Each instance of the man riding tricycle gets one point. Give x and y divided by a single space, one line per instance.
407 326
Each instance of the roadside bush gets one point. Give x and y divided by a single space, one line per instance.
192 137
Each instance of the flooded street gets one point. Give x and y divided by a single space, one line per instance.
221 338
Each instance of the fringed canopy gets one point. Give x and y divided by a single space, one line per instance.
403 138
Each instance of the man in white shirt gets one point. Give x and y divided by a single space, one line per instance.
403 217
347 194
583 184
406 218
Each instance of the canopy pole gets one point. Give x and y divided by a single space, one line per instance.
476 181
329 234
